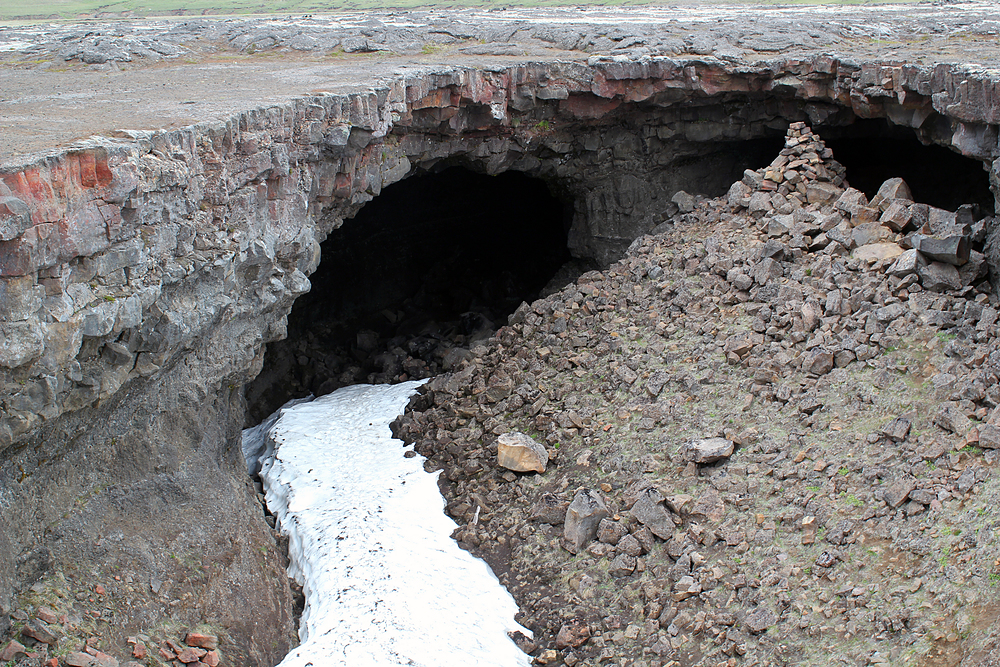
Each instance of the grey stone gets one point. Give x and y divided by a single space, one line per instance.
989 436
766 271
650 512
685 202
582 519
549 509
939 277
894 188
908 262
15 218
622 565
896 429
20 342
952 419
738 195
898 492
19 298
759 620
630 545
707 450
842 234
966 480
952 249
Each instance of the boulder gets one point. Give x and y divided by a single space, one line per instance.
707 450
650 512
897 215
939 277
520 453
908 262
953 249
894 188
583 516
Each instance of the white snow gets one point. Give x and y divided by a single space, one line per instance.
384 582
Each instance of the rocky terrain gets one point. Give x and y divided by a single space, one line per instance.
834 355
771 433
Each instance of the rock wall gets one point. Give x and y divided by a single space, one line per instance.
141 278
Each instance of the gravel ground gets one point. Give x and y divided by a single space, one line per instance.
851 514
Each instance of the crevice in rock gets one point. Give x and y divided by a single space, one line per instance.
874 150
431 266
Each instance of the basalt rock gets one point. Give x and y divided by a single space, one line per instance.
141 277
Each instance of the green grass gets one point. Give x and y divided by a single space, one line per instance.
84 9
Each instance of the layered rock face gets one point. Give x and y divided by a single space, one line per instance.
140 279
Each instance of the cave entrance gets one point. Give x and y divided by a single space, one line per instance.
874 150
433 264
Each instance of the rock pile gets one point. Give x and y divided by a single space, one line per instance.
833 485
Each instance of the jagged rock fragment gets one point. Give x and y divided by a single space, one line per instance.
707 450
520 453
582 519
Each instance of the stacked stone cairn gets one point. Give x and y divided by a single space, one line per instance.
803 199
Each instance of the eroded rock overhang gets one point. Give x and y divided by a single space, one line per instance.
101 243
171 258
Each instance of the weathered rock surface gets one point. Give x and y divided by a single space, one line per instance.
140 278
518 452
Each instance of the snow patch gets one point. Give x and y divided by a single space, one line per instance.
369 542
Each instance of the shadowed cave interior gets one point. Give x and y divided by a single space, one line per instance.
433 264
437 261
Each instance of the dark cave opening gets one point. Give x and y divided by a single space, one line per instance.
874 150
404 289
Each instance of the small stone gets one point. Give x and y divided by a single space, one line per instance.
898 492
549 509
686 587
572 634
582 519
40 632
760 619
989 436
707 450
211 659
649 511
951 418
897 429
610 532
685 202
630 545
622 566
709 507
894 188
189 654
13 651
78 659
47 615
520 453
547 657
139 650
809 529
